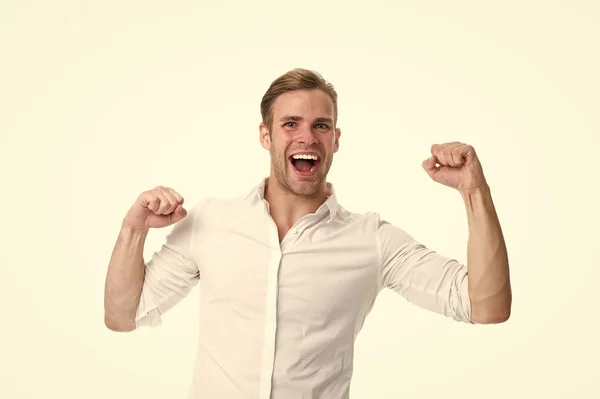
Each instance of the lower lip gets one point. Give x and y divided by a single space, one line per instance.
311 173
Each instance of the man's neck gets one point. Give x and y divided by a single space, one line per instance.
286 208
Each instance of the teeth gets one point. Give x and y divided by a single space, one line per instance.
305 156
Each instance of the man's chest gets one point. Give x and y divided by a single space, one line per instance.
315 272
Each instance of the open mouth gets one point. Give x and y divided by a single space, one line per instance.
305 164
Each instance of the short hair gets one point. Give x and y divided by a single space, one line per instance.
296 79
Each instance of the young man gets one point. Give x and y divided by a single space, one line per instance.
288 275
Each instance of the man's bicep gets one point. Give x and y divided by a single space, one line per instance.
170 274
421 275
169 278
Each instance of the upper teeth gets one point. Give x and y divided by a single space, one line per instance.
305 156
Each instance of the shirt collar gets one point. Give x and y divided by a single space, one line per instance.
330 205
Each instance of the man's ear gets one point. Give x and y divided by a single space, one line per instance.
336 144
265 136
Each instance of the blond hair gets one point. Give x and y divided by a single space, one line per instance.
296 79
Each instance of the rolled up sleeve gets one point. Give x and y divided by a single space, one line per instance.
170 274
422 276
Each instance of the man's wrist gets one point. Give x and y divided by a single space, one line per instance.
133 232
476 195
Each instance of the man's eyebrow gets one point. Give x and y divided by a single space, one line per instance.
299 118
325 120
291 117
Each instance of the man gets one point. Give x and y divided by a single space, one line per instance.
288 275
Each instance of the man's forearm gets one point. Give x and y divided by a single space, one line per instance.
487 260
124 280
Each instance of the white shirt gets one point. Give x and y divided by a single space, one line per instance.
279 321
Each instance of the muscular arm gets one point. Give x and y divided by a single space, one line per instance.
138 293
422 276
487 260
124 280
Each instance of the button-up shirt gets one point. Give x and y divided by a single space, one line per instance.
278 320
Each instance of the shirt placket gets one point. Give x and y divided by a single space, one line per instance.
268 354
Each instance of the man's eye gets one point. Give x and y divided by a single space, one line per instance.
322 126
290 124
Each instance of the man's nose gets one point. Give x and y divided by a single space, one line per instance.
306 135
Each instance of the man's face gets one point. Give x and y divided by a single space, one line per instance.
301 140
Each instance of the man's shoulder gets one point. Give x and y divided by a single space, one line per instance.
357 217
370 222
240 201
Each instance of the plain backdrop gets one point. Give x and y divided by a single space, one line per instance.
100 101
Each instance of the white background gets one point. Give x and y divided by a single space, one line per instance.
99 102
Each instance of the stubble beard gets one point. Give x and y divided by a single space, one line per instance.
279 163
